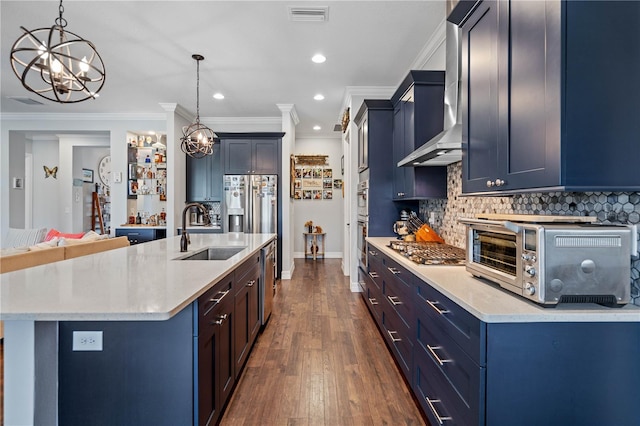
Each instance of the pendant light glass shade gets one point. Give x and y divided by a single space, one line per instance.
197 140
57 64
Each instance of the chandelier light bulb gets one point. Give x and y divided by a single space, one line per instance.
56 66
84 65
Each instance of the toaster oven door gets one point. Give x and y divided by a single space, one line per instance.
494 253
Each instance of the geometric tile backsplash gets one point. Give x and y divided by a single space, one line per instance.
608 207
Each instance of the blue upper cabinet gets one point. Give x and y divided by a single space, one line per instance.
417 117
549 98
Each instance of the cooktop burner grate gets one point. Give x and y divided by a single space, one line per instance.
429 253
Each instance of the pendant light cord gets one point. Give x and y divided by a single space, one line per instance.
198 91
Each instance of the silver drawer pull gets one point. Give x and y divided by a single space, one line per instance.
394 271
373 274
251 283
433 349
220 320
395 300
393 339
373 301
438 310
373 252
441 419
219 299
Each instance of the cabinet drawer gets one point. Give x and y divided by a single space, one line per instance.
247 266
438 398
370 294
435 348
463 328
399 337
136 236
376 271
214 297
397 295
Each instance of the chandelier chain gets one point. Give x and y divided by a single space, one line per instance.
60 21
198 91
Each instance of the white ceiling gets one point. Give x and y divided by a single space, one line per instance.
253 54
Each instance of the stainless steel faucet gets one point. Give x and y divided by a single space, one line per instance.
185 240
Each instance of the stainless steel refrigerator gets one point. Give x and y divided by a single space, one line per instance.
251 203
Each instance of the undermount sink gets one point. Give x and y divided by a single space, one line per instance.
213 253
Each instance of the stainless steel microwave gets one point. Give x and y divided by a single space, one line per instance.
549 262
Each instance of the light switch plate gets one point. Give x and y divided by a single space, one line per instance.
117 177
87 341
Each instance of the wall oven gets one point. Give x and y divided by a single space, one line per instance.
363 199
551 262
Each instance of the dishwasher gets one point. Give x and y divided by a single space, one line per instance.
268 281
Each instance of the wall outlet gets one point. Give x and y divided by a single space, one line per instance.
87 341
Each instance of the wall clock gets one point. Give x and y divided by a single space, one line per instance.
104 170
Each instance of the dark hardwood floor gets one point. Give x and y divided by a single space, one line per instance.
321 360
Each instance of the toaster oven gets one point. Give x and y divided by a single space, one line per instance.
551 262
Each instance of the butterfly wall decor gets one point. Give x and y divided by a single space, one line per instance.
50 172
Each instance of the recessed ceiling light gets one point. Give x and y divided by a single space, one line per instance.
317 127
318 97
218 96
318 58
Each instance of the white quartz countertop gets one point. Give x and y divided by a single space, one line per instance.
140 282
492 304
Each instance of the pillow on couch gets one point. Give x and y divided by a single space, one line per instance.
24 237
45 244
55 233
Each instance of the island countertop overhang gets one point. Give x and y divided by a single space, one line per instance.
143 282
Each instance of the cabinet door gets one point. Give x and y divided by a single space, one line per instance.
247 313
264 156
398 152
204 177
529 150
237 156
480 85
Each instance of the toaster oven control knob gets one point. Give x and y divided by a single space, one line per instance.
530 271
529 289
526 256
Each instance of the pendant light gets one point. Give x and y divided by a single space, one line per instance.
57 64
197 139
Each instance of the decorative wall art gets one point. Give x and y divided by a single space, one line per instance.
50 172
311 179
87 175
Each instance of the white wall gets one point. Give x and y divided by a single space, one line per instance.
326 213
46 199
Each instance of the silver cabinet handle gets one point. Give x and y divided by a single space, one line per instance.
373 301
393 339
500 182
220 319
394 271
219 299
395 300
373 252
251 283
441 419
373 274
433 305
432 350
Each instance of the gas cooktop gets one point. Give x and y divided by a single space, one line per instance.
429 253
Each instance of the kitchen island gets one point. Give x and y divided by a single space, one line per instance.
474 353
140 294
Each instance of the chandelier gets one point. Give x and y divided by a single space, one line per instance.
197 139
57 64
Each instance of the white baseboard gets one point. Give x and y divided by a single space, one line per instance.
355 287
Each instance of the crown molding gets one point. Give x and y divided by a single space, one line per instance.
218 121
436 40
177 109
291 109
374 92
44 116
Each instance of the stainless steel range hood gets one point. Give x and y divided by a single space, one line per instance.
446 147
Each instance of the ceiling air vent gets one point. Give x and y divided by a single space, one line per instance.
27 101
337 128
309 13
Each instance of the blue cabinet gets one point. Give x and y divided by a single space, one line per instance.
464 371
543 103
251 156
418 116
139 235
374 121
204 177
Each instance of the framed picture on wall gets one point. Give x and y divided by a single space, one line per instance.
87 175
